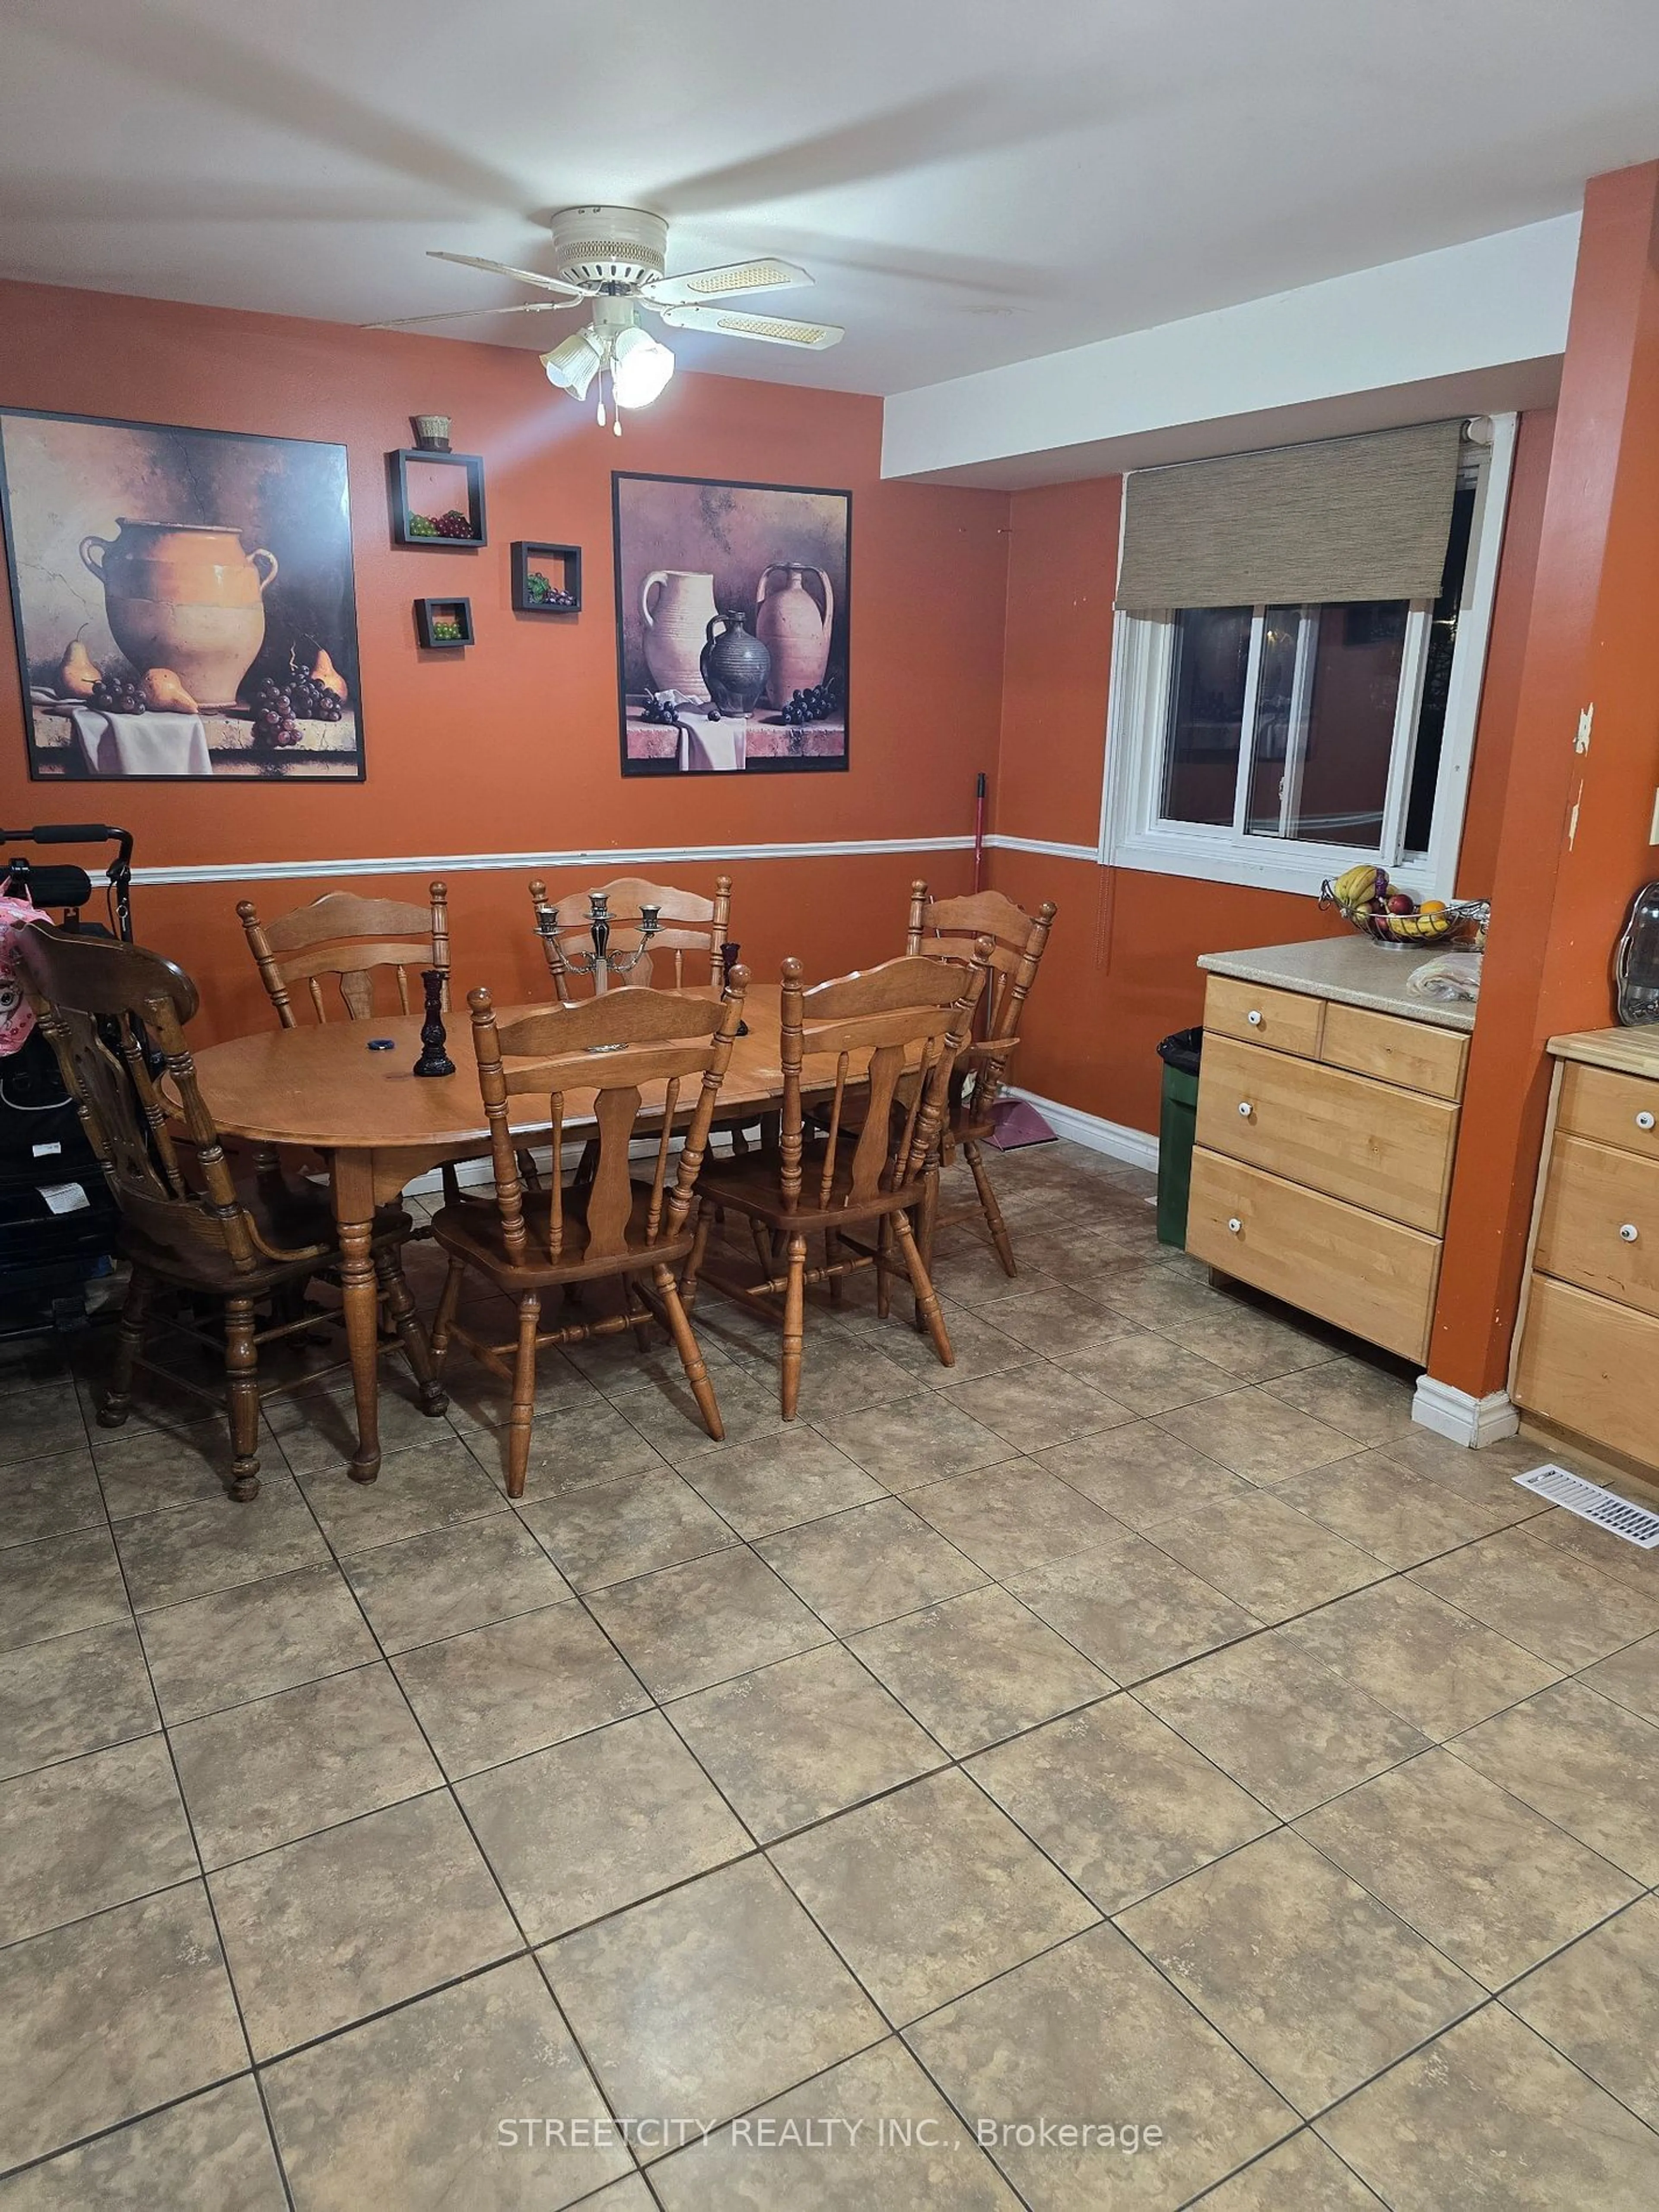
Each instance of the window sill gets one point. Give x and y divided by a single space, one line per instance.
1299 869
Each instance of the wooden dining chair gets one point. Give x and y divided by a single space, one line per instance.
875 1050
688 925
944 929
635 1055
188 1226
348 938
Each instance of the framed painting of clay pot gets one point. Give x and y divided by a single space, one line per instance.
732 614
182 599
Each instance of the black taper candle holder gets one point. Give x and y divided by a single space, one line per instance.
728 961
434 1059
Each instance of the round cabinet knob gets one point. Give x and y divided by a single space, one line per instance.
1629 1232
1245 1109
1234 1227
1645 1120
1254 1017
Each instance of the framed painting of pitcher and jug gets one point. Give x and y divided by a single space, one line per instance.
731 626
183 600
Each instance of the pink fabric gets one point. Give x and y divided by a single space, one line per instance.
16 1015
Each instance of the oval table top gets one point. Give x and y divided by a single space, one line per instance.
320 1086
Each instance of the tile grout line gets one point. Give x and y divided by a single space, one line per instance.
207 1890
447 1787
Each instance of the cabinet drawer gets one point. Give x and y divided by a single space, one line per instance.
1287 1021
1387 1151
1599 1224
1370 1276
1592 1366
1414 1055
1613 1109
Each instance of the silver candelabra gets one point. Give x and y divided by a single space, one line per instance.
602 962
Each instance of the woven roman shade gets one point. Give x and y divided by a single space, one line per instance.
1363 517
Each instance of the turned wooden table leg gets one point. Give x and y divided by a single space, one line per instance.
354 1217
400 1306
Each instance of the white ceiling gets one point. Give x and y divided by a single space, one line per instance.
971 181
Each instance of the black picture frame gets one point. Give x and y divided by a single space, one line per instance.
315 608
529 553
404 516
429 613
718 494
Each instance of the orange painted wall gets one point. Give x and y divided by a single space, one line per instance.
1573 844
1121 972
512 746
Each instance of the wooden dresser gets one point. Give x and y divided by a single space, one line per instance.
1587 1346
1326 1129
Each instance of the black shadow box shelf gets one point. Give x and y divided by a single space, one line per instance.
547 580
427 489
435 618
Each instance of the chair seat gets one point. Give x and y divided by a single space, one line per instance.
472 1232
750 1185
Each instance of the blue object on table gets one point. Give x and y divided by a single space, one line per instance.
382 1044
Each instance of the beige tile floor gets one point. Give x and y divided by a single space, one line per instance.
1140 1727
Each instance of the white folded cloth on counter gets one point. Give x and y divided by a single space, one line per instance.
1448 975
722 746
142 745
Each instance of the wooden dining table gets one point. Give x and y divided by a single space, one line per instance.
380 1126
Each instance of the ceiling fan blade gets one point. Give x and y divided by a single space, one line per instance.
766 273
770 330
470 314
506 269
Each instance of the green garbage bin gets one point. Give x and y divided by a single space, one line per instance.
1177 1124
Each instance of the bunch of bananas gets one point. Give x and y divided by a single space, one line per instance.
1359 891
1430 921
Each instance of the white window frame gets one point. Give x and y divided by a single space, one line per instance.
1132 833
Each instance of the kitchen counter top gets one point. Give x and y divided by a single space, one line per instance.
1626 1051
1353 970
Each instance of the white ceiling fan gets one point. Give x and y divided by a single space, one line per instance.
617 258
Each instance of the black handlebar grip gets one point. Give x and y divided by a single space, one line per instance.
69 833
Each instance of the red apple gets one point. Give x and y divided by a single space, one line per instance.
1401 903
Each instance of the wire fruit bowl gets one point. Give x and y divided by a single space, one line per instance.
1461 922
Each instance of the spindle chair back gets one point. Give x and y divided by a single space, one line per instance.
942 929
115 1017
644 1066
866 1062
348 938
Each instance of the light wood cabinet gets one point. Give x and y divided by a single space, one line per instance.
1256 1013
1591 1366
1587 1348
1325 1137
1613 1109
1375 1278
1410 1054
1599 1225
1389 1151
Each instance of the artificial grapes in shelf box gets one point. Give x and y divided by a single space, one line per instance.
450 524
544 593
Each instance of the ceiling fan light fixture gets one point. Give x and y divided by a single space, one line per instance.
572 366
640 368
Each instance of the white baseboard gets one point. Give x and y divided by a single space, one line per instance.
467 1172
1112 1137
1466 1420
